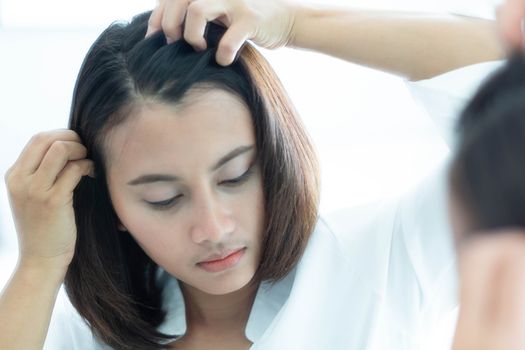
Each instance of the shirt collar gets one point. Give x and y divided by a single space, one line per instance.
173 302
268 301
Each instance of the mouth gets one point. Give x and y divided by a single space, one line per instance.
229 260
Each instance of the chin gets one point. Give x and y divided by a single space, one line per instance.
227 283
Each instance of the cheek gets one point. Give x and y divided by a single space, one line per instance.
251 209
158 238
161 241
163 244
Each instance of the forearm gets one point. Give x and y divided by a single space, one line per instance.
414 46
26 305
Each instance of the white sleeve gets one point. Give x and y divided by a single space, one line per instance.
423 226
67 330
443 97
404 252
423 214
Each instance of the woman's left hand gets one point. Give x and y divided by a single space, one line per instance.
267 23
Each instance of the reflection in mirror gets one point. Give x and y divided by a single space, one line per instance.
487 204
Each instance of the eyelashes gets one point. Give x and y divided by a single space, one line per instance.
238 181
165 204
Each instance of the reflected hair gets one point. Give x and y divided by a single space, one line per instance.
487 176
111 281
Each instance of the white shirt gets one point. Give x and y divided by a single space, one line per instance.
380 276
268 301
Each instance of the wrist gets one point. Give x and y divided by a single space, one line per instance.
300 14
42 271
314 24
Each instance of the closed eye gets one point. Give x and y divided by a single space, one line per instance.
168 203
238 180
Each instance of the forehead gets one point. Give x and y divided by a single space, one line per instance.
203 127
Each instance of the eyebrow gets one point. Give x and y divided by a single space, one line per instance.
150 178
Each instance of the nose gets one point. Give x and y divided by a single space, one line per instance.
211 220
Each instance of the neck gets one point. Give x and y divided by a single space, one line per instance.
227 312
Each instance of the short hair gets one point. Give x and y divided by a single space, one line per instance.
111 281
488 171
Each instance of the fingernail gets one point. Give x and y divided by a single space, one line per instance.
148 32
169 40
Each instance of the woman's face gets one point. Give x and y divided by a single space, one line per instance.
197 161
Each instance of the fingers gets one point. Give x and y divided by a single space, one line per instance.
198 14
172 19
56 158
33 153
155 19
71 175
45 158
189 19
197 18
172 15
232 41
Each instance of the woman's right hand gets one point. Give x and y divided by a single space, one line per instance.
267 23
40 187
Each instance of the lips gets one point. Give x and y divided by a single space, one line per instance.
221 256
228 262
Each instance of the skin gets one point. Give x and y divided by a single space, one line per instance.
210 215
492 284
510 17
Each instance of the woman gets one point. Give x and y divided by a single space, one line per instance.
252 266
253 202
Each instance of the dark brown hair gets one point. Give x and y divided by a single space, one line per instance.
487 176
111 281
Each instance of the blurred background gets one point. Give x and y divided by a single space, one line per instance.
373 140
